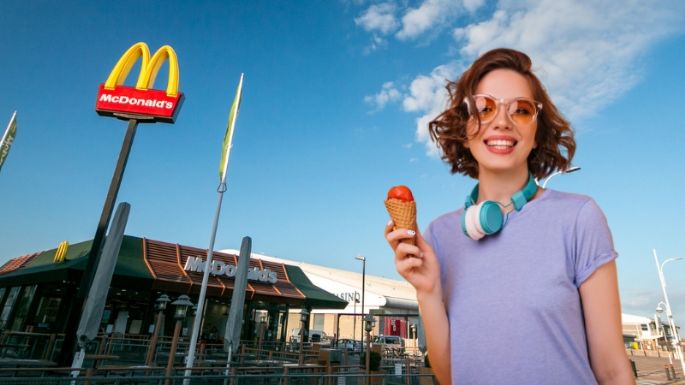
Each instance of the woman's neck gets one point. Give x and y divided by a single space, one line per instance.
501 186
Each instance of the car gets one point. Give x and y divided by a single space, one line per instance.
391 345
314 335
349 344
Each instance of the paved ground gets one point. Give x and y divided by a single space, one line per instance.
650 371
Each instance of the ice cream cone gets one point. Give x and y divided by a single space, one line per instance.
403 215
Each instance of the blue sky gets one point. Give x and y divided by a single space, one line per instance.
335 102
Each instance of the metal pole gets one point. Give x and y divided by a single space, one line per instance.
203 290
302 322
669 351
96 248
368 355
669 314
354 320
172 353
567 171
363 259
153 341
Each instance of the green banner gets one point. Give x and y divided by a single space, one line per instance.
228 137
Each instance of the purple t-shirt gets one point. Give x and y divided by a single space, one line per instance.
512 299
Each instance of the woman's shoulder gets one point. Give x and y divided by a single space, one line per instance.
566 198
581 207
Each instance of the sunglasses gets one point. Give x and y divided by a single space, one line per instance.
521 111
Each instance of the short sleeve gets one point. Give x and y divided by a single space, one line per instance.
594 245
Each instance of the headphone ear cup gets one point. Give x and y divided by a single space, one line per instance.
476 219
490 217
472 225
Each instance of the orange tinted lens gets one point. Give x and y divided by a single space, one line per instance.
486 108
522 111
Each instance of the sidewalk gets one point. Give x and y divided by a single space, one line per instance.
650 371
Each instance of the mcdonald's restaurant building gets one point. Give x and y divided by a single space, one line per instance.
36 290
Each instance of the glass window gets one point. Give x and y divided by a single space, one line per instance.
318 321
46 315
23 308
2 293
7 309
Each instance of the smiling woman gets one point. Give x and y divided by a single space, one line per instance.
540 262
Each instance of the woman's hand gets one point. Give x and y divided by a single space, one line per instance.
417 264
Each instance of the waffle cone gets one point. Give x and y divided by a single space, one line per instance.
403 215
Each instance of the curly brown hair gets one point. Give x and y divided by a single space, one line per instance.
554 135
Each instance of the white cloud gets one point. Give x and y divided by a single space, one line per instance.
587 52
473 5
378 17
427 95
429 14
388 93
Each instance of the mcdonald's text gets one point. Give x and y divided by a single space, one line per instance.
129 100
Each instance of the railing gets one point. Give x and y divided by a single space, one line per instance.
116 359
310 375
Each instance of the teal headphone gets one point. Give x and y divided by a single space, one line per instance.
486 218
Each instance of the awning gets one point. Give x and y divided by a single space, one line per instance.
153 265
316 297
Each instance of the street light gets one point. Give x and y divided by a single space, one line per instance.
660 309
354 319
567 171
368 326
181 306
160 306
303 319
363 259
669 313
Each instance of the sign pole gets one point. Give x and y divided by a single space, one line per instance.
65 357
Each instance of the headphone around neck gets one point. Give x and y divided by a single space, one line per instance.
486 218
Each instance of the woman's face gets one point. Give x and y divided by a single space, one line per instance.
503 144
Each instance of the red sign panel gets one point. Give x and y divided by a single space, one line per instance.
132 101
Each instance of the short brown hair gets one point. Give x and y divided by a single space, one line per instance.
554 132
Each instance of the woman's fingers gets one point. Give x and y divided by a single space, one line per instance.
395 236
407 264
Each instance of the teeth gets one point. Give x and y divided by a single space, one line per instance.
500 143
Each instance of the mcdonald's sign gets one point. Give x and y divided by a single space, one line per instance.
61 252
115 99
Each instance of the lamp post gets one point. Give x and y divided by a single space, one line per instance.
368 326
160 306
659 310
303 320
354 319
363 259
669 313
567 171
181 306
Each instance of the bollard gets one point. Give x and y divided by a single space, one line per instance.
673 372
634 367
668 373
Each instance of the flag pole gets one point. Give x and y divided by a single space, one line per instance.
8 138
223 166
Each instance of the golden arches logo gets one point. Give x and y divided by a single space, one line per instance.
148 68
141 101
61 252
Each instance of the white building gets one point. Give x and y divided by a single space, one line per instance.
392 302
